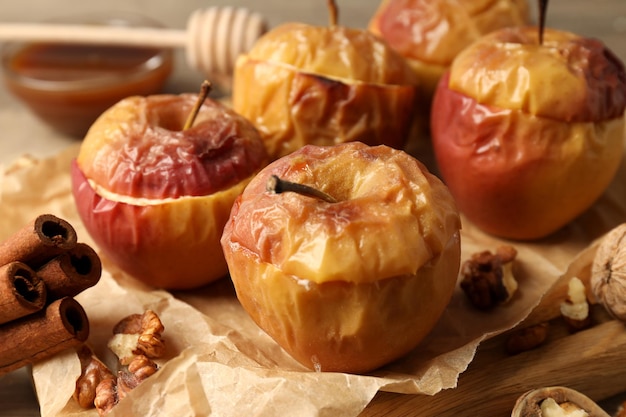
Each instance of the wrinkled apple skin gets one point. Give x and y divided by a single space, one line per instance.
292 109
302 84
431 33
137 148
352 285
519 176
154 198
531 140
170 245
567 78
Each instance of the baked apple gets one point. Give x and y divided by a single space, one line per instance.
154 196
354 281
305 84
430 33
528 134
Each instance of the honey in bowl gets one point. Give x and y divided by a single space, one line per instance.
69 85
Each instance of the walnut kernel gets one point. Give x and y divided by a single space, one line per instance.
575 309
138 334
527 338
106 396
488 279
93 372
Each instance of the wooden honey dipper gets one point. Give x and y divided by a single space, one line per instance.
213 39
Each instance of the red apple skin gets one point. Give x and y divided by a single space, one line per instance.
155 198
352 285
430 33
515 175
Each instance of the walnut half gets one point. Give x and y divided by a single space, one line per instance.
93 372
556 402
136 341
111 391
487 278
138 334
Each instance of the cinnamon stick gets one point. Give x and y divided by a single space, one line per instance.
21 292
39 241
71 272
61 325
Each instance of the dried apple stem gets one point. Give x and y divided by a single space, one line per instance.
334 12
543 7
205 89
278 185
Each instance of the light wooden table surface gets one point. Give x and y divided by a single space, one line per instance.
22 133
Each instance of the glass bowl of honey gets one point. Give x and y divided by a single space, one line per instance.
68 85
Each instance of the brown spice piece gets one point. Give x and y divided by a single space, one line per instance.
527 338
61 325
21 292
71 272
93 372
39 241
485 280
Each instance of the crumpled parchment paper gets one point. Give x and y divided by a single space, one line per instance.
219 363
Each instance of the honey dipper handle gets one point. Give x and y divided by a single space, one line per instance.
91 34
212 40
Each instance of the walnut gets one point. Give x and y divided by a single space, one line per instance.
608 272
487 278
575 309
527 338
93 371
106 396
136 339
138 334
110 392
556 401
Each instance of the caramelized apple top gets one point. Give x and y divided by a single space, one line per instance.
334 52
435 31
392 216
568 77
138 149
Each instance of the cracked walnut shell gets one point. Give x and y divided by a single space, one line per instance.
608 272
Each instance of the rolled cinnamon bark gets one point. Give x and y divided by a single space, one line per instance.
21 292
71 272
39 241
61 325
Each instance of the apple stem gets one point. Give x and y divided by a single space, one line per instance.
205 89
543 7
278 185
334 12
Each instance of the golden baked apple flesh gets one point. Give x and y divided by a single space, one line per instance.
528 135
305 84
154 196
355 281
431 33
